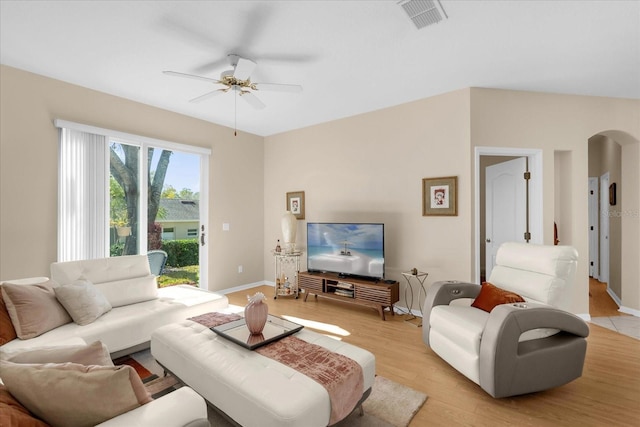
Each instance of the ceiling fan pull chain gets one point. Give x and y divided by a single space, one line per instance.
235 115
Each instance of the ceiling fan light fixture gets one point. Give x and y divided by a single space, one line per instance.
423 12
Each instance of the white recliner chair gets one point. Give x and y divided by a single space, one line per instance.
516 348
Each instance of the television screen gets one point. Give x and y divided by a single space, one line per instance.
346 248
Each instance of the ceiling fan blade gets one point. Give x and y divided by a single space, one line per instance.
256 20
208 95
190 76
244 68
285 57
252 100
278 87
213 65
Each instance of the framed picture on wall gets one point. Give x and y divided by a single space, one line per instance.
612 194
440 196
295 203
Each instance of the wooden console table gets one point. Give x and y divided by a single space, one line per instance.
375 294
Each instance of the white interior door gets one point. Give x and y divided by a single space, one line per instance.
593 228
604 228
506 206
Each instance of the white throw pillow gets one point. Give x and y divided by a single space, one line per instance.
83 301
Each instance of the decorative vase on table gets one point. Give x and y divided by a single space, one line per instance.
255 313
289 224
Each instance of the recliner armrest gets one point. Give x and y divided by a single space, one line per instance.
501 353
442 293
509 321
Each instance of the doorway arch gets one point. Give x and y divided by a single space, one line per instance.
625 214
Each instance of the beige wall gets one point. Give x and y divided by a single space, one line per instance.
369 168
565 123
363 168
28 173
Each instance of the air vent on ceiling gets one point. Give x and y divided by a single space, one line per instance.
424 12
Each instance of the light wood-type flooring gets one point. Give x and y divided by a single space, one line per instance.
608 393
600 303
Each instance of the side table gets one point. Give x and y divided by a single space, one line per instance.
419 277
287 270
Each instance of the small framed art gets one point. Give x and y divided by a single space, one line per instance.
612 194
295 203
440 196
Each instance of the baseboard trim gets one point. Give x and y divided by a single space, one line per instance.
243 287
631 311
614 297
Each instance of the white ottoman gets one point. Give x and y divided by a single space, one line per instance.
251 389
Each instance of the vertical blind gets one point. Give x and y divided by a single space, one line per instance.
83 206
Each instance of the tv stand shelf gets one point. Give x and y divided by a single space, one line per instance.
375 294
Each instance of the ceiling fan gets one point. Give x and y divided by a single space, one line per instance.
238 80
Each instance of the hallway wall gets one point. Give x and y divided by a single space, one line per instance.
605 155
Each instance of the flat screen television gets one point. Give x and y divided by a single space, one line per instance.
349 249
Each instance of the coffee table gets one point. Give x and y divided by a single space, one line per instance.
246 387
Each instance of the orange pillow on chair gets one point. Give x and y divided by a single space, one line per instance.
491 295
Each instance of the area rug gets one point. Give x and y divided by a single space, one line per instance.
155 385
393 402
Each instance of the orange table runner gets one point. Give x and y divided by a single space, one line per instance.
341 376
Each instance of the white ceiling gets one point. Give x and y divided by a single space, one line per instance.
350 56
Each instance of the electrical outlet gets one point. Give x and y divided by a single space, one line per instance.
240 269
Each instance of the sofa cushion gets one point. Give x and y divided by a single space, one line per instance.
83 301
92 354
33 309
101 270
12 413
75 395
129 291
491 295
123 280
7 331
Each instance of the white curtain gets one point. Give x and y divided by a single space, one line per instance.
83 198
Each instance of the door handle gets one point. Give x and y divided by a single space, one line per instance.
488 240
202 236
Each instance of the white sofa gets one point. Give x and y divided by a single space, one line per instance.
139 307
181 408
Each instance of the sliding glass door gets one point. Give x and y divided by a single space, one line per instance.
155 204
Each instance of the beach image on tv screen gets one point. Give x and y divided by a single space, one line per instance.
354 249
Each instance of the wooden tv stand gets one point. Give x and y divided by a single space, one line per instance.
375 294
